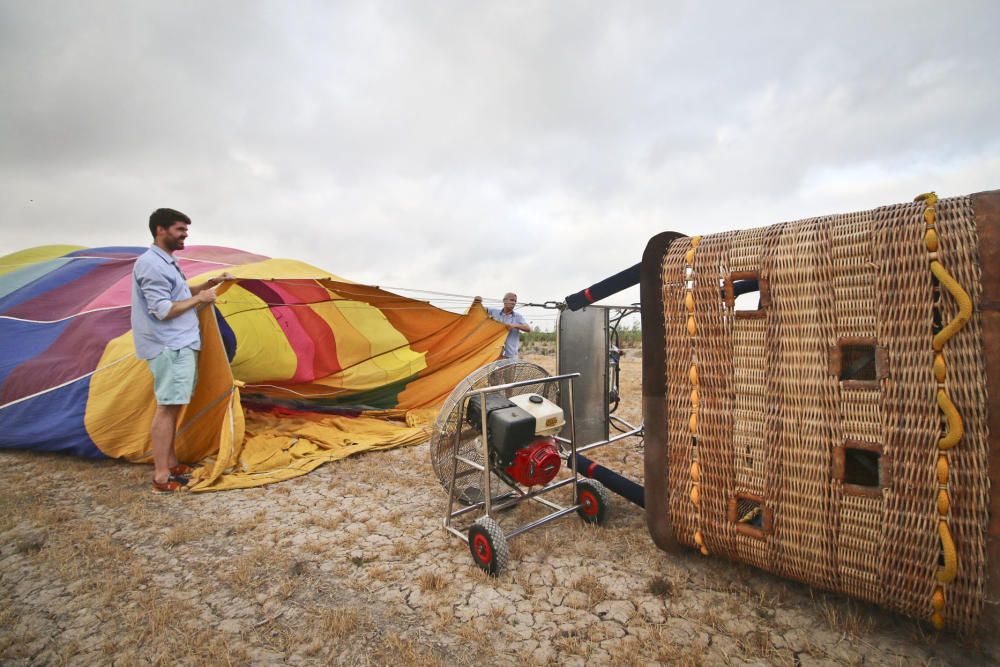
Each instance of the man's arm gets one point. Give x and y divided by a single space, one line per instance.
205 295
520 323
156 290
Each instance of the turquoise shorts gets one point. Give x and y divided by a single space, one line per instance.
174 375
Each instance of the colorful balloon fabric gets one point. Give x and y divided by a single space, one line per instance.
298 366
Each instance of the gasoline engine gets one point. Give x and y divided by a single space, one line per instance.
520 432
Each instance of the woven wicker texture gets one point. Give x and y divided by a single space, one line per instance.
836 451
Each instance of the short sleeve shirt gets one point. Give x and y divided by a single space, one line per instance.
157 281
513 339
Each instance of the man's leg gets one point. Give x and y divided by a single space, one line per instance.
174 375
162 435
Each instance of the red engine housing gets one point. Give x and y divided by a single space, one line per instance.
537 464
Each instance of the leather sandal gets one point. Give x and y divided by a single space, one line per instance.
181 469
169 486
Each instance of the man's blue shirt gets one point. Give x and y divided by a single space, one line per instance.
157 282
513 339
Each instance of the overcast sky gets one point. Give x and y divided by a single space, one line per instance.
475 147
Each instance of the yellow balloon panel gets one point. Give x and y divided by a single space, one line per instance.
263 353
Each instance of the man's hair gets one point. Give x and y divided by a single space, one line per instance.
165 217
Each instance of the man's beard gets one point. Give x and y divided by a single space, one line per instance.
175 244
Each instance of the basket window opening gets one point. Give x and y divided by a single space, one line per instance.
747 300
749 513
858 362
861 467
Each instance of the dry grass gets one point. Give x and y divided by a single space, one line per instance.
661 587
338 625
328 521
845 617
396 649
180 535
592 587
757 644
431 581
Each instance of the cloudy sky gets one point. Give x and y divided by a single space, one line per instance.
474 147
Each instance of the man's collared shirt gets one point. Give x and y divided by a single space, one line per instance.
157 282
513 339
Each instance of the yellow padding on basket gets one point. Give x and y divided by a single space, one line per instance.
692 327
942 469
689 302
931 240
940 370
947 573
930 198
695 472
694 397
937 620
937 600
955 429
689 256
960 296
943 502
695 240
693 422
693 375
695 497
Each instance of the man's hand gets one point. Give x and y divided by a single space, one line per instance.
211 283
206 295
221 278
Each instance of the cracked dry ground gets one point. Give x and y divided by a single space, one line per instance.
350 565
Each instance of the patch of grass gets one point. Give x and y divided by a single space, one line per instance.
757 643
404 549
330 521
711 617
360 561
180 534
431 581
661 587
398 650
845 618
30 545
592 587
315 547
341 623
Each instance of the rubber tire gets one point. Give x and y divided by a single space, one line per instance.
594 500
488 546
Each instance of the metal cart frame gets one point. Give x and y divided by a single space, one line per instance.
516 495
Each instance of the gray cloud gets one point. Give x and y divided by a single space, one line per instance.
477 147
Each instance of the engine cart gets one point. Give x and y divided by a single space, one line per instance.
495 446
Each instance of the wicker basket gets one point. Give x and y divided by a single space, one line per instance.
831 424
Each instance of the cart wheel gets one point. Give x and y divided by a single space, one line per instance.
488 545
594 501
